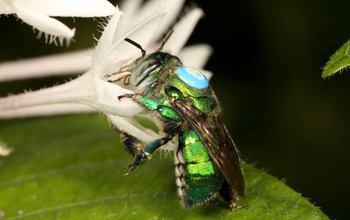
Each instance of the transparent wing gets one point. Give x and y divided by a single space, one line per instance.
217 141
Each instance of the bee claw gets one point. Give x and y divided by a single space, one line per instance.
234 206
130 169
131 95
140 158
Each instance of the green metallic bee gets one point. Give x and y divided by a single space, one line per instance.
206 159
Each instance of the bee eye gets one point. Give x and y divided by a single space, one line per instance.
142 71
145 72
193 77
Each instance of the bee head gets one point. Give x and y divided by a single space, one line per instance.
146 68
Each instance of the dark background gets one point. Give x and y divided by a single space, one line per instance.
268 58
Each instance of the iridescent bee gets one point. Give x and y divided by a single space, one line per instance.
206 159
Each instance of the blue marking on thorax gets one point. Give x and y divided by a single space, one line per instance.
193 77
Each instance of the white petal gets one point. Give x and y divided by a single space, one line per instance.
96 93
172 8
80 90
104 44
46 110
108 55
42 22
5 8
142 33
74 8
145 135
131 9
196 55
108 102
182 31
128 125
134 13
46 66
61 64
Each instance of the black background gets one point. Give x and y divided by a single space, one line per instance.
268 58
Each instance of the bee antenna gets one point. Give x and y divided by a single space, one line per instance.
165 39
143 52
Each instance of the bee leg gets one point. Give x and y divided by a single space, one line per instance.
146 153
128 95
130 143
121 70
229 196
134 147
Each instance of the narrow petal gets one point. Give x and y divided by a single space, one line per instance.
182 31
172 9
98 94
130 9
79 90
196 55
107 56
36 13
43 23
133 10
107 100
46 110
53 65
71 8
106 40
5 8
130 126
142 33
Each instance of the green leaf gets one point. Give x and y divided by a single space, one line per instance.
338 61
72 167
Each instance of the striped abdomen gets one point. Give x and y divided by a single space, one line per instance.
198 177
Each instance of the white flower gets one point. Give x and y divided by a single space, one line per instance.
144 25
37 14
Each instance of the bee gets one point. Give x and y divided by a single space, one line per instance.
206 159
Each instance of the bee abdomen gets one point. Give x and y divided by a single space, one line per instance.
198 178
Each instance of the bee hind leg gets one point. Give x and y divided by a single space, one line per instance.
130 143
230 197
146 153
140 152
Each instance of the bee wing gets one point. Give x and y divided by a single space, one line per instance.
218 143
